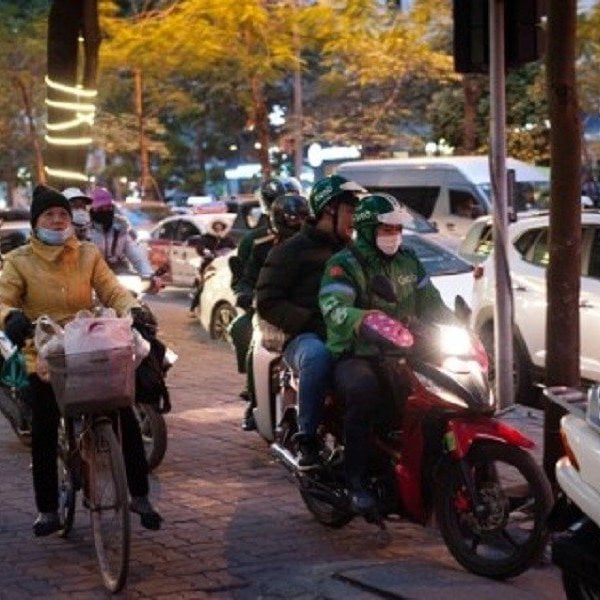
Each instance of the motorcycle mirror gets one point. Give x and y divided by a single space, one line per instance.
462 310
383 287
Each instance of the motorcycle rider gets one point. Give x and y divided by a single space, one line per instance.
287 214
215 242
80 203
55 274
287 298
241 329
346 298
112 235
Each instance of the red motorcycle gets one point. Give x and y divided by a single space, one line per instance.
441 451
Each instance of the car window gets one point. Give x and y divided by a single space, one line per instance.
166 231
464 204
145 216
538 252
185 230
435 259
525 241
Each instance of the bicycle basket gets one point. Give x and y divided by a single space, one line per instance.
90 382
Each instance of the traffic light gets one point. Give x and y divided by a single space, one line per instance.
522 34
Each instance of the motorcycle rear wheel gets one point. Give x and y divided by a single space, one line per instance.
514 499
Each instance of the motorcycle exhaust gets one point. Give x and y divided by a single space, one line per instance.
285 457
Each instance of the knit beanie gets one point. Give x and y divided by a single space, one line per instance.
45 197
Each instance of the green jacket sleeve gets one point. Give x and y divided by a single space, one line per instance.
337 298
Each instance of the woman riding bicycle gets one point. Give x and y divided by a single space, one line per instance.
57 275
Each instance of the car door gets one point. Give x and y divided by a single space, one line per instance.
184 258
159 244
589 303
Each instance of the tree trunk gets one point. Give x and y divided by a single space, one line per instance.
563 278
472 93
66 21
261 122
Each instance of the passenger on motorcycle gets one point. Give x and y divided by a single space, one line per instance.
241 330
287 298
346 298
55 274
112 235
80 203
288 212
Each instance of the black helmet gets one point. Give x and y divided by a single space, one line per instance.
269 190
288 212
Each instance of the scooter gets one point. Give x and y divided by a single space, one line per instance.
577 511
441 453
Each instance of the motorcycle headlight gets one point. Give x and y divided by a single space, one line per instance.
455 341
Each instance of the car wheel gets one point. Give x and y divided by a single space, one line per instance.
524 390
222 316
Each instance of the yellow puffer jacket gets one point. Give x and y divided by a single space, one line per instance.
58 281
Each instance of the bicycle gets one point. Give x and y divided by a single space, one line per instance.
90 458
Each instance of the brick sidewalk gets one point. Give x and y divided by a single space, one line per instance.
235 527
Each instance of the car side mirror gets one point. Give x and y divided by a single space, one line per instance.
382 287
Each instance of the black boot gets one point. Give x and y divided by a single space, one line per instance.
248 422
46 523
309 452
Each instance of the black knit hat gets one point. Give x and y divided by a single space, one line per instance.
45 197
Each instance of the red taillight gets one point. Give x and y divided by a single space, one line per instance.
478 272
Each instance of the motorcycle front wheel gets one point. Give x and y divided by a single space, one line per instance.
504 533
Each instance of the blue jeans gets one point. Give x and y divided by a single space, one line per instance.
308 355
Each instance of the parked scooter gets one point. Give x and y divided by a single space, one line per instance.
442 453
150 415
577 512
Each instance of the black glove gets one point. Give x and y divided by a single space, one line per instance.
244 300
144 321
18 327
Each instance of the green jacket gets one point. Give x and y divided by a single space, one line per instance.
344 296
244 253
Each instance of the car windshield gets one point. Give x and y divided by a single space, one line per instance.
418 223
435 259
145 216
529 195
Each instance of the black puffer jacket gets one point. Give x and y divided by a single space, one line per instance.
288 285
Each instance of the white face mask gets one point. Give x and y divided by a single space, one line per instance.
53 237
81 217
389 244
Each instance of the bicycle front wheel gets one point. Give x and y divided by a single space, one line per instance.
108 505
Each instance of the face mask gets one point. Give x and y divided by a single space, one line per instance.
389 244
53 237
103 217
81 217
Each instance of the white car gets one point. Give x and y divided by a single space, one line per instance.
528 259
171 243
451 275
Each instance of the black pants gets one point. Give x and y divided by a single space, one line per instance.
365 390
44 441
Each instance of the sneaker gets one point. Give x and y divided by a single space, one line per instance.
46 523
149 518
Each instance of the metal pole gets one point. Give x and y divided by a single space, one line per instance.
503 339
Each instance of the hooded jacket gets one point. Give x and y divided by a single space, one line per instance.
344 296
58 281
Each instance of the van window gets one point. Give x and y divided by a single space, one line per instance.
420 198
464 204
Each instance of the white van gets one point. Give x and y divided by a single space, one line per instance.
450 191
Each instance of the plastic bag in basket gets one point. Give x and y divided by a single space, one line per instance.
97 333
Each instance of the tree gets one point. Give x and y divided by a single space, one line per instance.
563 278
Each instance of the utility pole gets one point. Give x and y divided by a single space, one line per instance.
145 179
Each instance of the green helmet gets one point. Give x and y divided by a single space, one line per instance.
377 209
328 189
